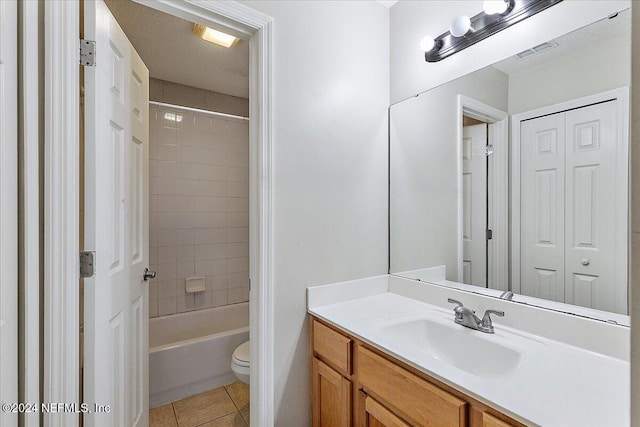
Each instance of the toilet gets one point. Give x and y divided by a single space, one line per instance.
240 363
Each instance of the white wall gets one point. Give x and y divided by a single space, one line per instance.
424 166
412 20
331 93
598 68
188 96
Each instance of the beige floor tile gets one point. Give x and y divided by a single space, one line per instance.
204 407
233 420
245 414
162 416
239 393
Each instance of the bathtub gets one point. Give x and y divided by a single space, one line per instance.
191 352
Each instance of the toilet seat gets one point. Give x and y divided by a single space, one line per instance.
241 355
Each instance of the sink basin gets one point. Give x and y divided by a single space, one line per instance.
477 353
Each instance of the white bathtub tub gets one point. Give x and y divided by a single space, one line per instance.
191 352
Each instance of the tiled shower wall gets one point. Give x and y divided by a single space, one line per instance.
199 209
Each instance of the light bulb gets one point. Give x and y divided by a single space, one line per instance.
460 26
492 7
427 44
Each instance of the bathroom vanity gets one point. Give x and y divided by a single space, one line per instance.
508 194
387 352
355 381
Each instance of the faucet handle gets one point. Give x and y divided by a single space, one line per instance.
453 301
486 319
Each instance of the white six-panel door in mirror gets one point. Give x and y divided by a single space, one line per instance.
542 212
116 217
474 199
568 177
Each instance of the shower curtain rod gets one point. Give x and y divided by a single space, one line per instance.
197 110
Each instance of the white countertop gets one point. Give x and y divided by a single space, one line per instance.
573 382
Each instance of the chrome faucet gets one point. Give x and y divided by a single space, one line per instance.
467 317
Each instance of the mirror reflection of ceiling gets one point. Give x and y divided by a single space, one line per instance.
173 53
601 32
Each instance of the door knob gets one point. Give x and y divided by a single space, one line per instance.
585 261
147 275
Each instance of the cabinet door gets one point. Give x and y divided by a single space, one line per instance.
376 415
489 420
331 397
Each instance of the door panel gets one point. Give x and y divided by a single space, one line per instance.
591 175
542 207
474 204
116 218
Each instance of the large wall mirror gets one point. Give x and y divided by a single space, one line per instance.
516 177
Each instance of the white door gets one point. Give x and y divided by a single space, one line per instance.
8 209
592 140
542 207
474 204
116 218
569 212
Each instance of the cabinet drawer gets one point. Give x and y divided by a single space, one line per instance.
413 398
333 347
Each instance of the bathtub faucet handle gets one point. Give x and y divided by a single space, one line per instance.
147 275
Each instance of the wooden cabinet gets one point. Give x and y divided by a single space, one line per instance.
331 397
333 347
376 415
354 384
489 420
414 398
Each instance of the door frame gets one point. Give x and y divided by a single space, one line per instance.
498 137
622 196
30 154
9 340
61 376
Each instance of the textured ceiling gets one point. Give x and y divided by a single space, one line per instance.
583 38
173 53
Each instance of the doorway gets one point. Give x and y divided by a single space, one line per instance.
248 24
482 194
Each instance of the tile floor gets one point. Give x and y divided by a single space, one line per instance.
226 406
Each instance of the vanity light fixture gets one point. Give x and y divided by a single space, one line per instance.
491 7
495 17
460 26
215 36
427 43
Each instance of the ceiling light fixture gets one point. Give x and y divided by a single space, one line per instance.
215 36
464 31
172 117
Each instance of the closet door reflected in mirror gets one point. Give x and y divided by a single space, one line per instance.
536 203
568 244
